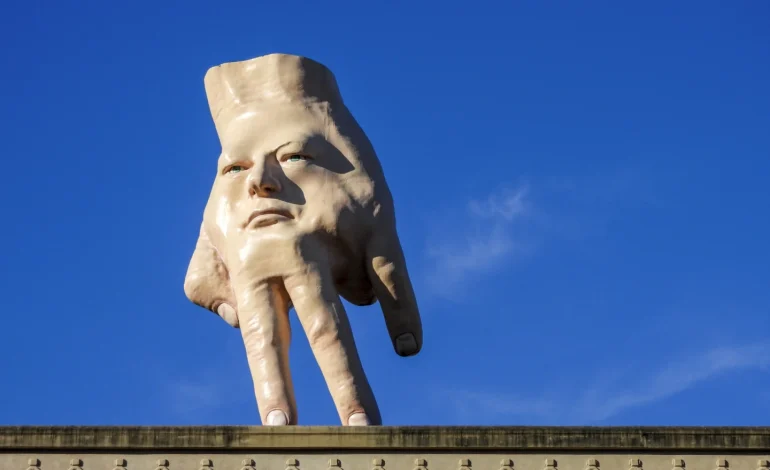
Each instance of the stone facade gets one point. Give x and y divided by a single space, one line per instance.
383 448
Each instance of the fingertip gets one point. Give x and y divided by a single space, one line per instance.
228 314
358 419
406 345
277 418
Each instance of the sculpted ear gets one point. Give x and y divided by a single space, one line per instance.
207 282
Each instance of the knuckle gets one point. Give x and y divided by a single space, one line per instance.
322 333
198 291
260 336
193 284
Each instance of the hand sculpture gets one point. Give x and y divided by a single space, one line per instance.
298 215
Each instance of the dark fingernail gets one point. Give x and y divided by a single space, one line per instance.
406 344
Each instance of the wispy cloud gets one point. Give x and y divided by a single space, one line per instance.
496 229
471 404
194 397
675 378
603 401
483 238
212 390
507 205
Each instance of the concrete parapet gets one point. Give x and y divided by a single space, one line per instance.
384 448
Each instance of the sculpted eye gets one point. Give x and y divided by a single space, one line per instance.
235 169
295 158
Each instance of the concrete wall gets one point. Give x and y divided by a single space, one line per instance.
383 448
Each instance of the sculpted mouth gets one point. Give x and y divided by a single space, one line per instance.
267 217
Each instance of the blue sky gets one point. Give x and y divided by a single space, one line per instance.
581 191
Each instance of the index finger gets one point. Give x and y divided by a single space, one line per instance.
263 311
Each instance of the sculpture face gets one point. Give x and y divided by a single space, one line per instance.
298 215
278 180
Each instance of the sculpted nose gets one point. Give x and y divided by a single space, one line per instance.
262 181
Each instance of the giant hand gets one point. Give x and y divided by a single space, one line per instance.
298 215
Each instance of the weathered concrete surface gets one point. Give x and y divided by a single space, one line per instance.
384 448
384 438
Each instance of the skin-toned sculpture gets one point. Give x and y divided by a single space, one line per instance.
299 214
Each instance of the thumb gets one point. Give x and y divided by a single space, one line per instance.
207 282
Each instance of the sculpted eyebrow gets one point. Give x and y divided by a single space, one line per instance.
227 159
277 149
300 144
313 143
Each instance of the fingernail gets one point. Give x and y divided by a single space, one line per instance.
228 314
358 419
406 344
277 418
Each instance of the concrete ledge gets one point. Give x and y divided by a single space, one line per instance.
384 439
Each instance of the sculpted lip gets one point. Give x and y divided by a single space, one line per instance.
263 217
